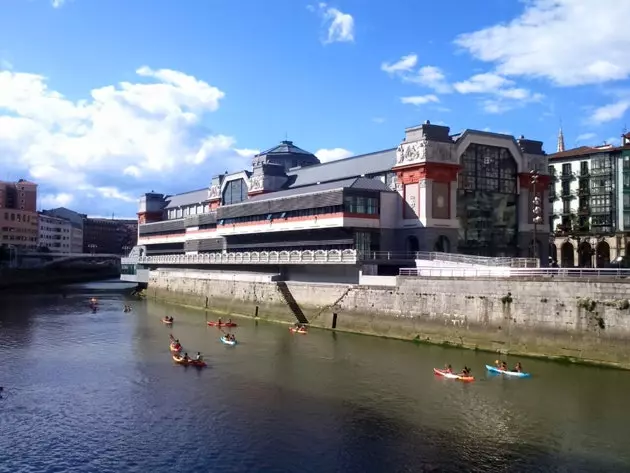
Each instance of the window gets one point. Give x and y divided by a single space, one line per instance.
566 169
235 192
488 168
566 207
361 205
584 167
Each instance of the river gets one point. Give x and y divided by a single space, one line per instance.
88 392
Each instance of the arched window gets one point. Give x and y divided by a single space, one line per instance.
235 191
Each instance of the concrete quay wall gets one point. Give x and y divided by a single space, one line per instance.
571 319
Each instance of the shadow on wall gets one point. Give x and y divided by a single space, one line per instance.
291 302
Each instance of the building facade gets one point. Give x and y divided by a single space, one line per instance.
76 226
112 236
470 192
590 199
18 214
55 234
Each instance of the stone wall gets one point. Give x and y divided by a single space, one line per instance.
577 320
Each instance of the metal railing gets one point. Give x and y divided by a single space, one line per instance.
478 260
256 257
505 272
385 255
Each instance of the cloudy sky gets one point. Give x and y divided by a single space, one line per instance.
103 100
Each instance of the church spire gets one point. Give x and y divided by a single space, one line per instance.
560 141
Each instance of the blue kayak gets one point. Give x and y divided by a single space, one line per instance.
515 374
228 342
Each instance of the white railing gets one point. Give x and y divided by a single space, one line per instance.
478 260
505 272
257 257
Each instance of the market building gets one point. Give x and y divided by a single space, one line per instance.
470 193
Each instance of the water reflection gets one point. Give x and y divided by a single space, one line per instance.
101 394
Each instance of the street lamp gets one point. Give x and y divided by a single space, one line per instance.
92 247
536 210
126 249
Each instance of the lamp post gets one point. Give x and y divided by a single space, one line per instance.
536 210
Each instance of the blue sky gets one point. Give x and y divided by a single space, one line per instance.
101 101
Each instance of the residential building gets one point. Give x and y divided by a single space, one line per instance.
113 236
76 223
470 193
54 234
590 198
18 214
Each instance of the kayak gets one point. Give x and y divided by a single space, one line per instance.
228 342
448 375
515 374
298 330
175 348
222 324
167 322
180 361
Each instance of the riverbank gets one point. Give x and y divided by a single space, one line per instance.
574 320
43 279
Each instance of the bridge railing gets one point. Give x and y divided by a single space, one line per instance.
506 272
254 257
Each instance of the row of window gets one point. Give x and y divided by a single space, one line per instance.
188 210
13 217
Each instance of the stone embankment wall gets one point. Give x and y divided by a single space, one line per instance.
577 320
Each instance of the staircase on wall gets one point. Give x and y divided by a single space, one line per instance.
291 302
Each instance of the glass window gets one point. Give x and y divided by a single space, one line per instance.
235 192
361 205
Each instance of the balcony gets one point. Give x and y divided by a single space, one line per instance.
567 176
584 211
583 191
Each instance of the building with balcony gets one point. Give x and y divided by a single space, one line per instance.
55 234
18 214
468 193
76 226
590 198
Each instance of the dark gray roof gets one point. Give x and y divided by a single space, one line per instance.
372 163
187 198
285 147
352 183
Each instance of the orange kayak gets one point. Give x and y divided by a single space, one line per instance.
448 375
298 330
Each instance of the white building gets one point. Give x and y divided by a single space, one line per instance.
55 234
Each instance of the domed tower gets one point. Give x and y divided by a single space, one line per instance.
269 168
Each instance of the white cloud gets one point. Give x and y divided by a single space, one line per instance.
431 77
426 76
339 25
613 111
378 120
501 94
404 64
420 99
62 199
333 154
536 44
122 140
58 3
586 137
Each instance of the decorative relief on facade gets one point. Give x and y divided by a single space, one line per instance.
412 203
256 183
423 183
214 192
425 151
399 188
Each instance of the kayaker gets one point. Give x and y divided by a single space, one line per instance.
198 357
448 368
518 367
466 371
229 322
504 366
186 357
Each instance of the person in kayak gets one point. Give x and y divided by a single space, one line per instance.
229 321
199 357
219 321
186 357
448 368
518 368
465 371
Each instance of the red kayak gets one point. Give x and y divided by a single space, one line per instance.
221 324
449 375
